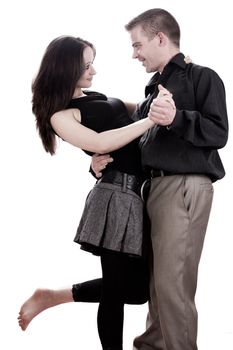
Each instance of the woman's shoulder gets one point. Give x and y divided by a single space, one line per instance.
66 114
62 113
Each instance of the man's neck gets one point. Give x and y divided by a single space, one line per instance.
171 53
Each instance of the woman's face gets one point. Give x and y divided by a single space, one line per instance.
85 80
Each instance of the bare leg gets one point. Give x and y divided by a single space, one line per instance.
41 300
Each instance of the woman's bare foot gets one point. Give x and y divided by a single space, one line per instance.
41 300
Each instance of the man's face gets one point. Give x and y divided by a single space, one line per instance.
147 51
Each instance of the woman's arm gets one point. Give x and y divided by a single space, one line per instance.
67 124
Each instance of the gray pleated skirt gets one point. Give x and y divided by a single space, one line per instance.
112 219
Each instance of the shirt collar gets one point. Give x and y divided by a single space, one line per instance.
177 60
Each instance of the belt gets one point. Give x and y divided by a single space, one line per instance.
160 173
126 181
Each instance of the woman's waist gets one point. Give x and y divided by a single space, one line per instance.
125 180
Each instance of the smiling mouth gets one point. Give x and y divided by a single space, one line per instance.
142 60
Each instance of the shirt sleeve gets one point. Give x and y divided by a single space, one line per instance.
207 126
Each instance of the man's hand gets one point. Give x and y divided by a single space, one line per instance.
99 162
162 109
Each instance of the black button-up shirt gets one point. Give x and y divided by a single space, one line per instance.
189 145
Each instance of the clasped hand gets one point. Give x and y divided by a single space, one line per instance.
162 109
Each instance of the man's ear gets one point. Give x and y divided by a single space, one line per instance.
162 38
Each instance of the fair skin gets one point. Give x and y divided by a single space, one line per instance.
154 53
67 123
41 300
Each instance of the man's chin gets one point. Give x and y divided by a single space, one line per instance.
147 69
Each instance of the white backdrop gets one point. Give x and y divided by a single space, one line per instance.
42 196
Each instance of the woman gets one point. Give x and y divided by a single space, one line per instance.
112 223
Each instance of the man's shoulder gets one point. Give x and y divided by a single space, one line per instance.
199 73
199 69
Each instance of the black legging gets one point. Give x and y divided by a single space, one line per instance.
125 281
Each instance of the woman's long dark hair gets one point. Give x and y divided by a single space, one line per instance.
61 67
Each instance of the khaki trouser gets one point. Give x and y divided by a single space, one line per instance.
178 207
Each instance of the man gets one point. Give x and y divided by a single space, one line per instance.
181 156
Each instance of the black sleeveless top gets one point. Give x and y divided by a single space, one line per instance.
101 113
